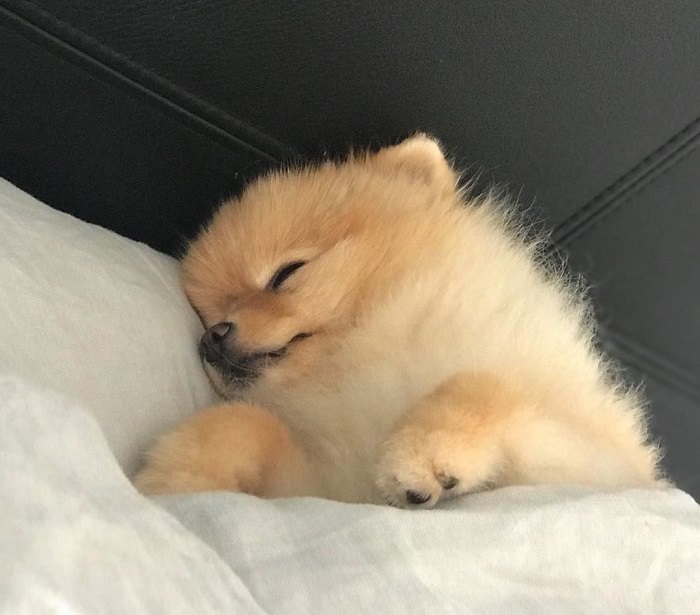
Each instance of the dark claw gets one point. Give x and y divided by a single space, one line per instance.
448 482
416 497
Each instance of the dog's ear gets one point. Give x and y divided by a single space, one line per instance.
421 157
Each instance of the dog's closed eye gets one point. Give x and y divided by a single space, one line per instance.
283 273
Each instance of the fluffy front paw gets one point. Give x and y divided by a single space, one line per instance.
417 469
234 447
189 459
161 477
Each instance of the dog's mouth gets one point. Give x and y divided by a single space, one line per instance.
240 369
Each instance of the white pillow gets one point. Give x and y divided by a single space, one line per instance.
99 318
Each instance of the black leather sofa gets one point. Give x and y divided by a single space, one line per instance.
141 116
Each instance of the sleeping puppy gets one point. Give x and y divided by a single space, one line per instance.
381 337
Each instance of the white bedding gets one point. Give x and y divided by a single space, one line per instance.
101 320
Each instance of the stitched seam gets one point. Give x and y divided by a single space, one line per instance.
651 362
652 167
653 359
658 173
210 120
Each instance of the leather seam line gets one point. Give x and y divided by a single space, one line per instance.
652 167
650 362
90 55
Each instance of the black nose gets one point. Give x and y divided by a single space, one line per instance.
213 342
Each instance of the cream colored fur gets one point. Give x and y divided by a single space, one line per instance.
444 357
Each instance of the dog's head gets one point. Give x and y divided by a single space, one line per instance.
284 273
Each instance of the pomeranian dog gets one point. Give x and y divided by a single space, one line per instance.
382 337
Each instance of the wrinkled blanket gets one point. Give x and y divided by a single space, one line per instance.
75 537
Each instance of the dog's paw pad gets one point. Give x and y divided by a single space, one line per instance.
447 482
411 489
416 498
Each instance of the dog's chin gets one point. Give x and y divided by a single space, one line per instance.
227 385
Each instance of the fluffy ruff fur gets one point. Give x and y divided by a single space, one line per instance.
387 339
